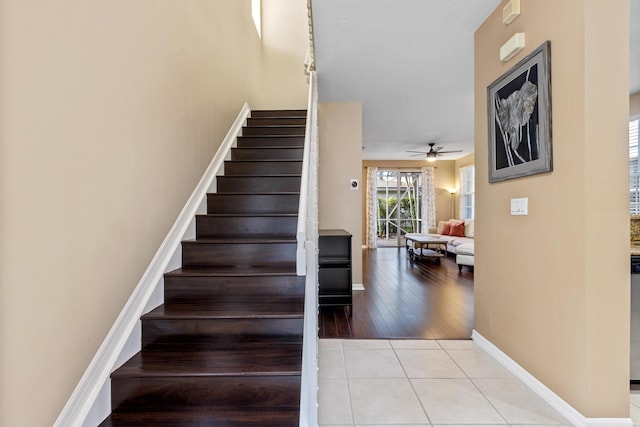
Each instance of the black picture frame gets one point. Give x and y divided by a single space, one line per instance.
519 115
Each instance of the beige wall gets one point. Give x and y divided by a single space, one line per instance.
285 40
110 112
340 160
444 179
552 288
634 105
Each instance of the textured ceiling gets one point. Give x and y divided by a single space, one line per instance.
410 63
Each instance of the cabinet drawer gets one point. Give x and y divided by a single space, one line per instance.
334 281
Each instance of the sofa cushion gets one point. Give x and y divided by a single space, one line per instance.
465 249
446 229
457 229
469 228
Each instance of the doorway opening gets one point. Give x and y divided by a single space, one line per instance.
399 195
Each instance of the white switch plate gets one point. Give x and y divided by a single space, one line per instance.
520 206
354 184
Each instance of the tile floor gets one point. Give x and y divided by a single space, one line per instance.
413 383
635 407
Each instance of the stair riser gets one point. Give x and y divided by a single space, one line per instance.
182 287
270 141
273 130
257 184
266 153
205 392
262 168
279 113
162 331
233 254
252 203
207 226
278 121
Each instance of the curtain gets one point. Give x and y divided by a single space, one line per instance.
372 207
428 213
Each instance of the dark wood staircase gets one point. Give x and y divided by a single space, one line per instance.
225 348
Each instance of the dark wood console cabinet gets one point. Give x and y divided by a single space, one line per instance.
334 268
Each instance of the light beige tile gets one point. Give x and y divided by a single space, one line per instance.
635 414
429 364
365 344
396 425
330 344
415 344
517 403
372 364
385 401
455 401
334 403
635 398
472 425
478 364
331 364
457 344
336 425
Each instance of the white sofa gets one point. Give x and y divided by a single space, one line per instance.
461 246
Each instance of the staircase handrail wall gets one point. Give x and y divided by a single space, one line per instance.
90 402
307 260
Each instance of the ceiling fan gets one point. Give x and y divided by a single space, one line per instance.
433 153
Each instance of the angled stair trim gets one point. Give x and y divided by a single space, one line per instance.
310 143
307 261
90 401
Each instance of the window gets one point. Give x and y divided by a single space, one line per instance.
256 12
634 172
467 192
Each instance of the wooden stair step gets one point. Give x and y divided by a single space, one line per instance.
231 252
262 184
270 141
271 153
274 359
278 113
262 167
262 121
230 225
273 130
184 417
230 307
247 203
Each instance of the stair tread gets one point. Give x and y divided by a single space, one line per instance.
272 147
260 359
234 270
198 417
276 125
230 307
249 215
265 161
245 193
241 240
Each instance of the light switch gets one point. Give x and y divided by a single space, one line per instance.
520 206
354 184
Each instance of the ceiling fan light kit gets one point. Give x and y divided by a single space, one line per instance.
433 152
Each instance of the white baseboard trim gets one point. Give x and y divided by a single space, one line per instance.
88 404
357 287
555 401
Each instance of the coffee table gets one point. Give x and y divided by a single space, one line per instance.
424 242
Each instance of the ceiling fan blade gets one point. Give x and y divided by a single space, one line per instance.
416 155
447 152
410 151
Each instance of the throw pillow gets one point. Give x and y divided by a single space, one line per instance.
457 229
446 229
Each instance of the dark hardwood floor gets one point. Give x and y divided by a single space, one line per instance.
404 299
